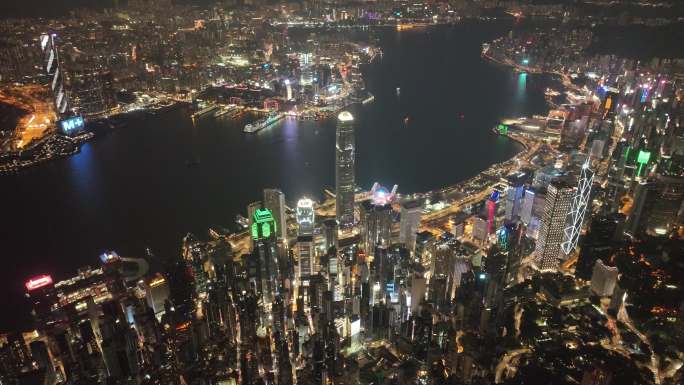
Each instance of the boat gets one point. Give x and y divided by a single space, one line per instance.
398 91
263 122
242 221
369 99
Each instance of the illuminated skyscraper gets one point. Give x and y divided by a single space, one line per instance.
376 219
264 234
580 203
54 70
344 169
551 234
274 200
305 216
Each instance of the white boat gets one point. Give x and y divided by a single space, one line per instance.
263 122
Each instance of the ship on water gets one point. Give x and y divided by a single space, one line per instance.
263 122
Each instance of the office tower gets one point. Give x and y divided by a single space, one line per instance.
157 293
306 216
305 251
657 206
376 222
480 229
55 72
527 204
344 169
514 195
602 236
251 210
603 279
330 234
580 204
274 200
551 234
409 222
265 253
41 292
492 205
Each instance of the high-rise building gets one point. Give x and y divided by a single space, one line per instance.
492 206
274 200
265 254
344 169
376 222
305 255
603 279
330 234
657 206
527 204
306 216
551 233
54 70
599 243
480 229
580 204
514 195
409 222
251 210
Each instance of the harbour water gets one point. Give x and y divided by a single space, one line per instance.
150 182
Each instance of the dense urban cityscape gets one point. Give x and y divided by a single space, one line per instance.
561 265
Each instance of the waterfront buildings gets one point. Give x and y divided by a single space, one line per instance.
344 169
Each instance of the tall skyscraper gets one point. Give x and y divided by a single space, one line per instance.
251 210
274 200
580 204
409 222
600 241
551 234
344 169
376 219
305 216
657 206
54 70
265 253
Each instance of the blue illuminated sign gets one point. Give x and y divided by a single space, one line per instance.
72 124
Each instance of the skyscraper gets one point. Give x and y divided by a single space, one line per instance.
344 169
54 70
409 222
551 234
264 234
274 200
657 206
376 220
305 216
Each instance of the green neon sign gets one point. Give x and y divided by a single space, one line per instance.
643 157
502 128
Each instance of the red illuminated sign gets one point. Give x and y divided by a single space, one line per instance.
38 282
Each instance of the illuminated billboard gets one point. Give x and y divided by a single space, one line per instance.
71 125
38 282
643 157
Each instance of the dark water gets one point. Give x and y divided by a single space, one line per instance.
131 188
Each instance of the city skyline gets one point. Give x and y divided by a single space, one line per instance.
227 159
